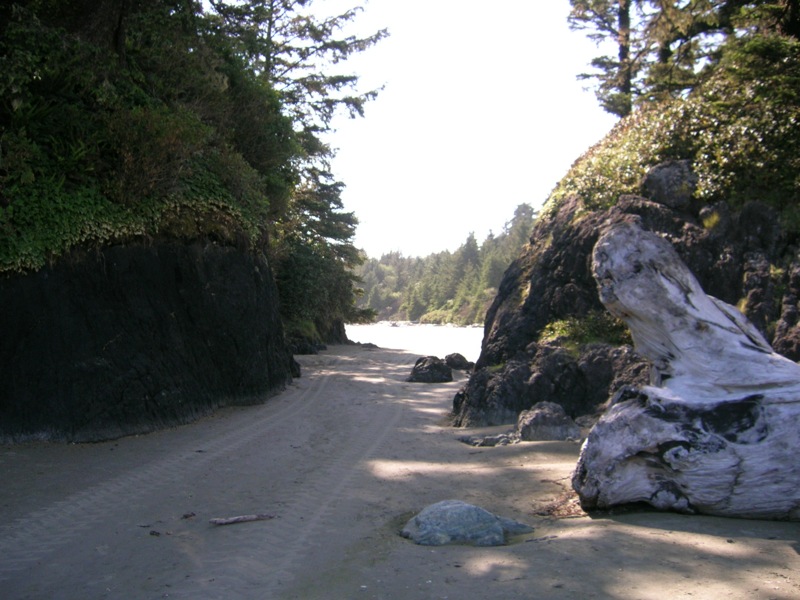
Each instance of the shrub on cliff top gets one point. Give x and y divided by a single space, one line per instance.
94 149
740 128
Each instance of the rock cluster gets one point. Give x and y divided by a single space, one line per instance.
432 369
544 421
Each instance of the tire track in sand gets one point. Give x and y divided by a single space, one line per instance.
262 561
32 539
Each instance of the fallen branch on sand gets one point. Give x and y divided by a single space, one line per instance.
239 519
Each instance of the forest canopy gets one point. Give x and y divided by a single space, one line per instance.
126 120
445 287
735 119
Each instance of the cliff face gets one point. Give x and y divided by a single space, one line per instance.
739 257
128 339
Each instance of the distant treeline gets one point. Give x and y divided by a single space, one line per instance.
446 287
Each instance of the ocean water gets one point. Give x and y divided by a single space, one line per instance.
425 340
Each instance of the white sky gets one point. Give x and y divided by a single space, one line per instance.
481 112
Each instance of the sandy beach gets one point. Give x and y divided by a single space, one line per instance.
336 464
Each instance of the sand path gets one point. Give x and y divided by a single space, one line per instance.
342 459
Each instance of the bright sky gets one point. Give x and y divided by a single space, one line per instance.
481 112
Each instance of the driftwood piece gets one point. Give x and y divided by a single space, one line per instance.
240 519
717 430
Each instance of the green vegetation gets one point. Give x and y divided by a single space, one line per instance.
172 119
445 287
596 326
178 119
660 49
739 128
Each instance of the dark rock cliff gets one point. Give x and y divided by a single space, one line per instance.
129 339
740 257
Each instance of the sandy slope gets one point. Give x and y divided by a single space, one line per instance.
342 459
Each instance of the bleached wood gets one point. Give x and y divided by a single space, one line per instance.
717 431
239 519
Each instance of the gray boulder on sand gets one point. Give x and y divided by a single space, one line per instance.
546 421
717 431
456 522
458 362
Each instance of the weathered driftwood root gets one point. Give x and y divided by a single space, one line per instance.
718 429
240 519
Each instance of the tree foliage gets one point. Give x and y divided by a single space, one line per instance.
445 287
739 128
666 47
123 119
292 49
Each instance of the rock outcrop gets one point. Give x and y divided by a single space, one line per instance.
716 430
739 256
128 339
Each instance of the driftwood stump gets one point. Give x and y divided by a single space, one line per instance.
717 430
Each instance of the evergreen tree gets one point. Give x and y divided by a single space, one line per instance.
292 49
665 47
610 20
285 43
127 118
445 287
